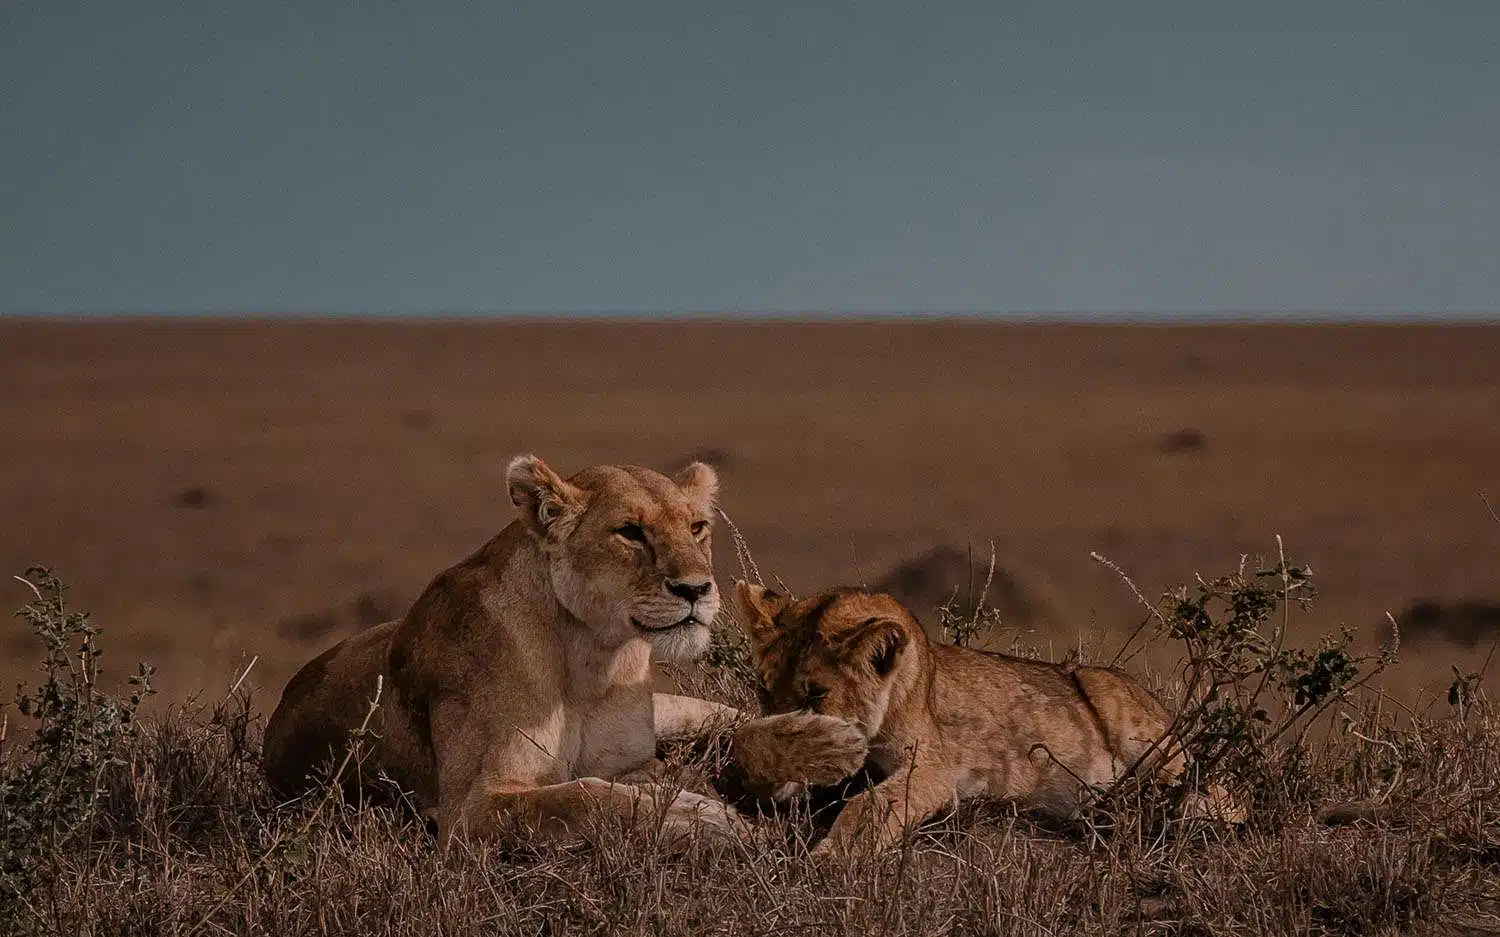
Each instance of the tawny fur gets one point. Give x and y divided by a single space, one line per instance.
782 755
945 723
516 687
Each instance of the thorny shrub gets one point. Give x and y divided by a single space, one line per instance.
49 795
1245 698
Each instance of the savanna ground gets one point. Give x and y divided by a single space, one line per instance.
222 493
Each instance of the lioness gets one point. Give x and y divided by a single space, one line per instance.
944 723
517 683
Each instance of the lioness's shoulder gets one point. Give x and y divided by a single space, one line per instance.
456 610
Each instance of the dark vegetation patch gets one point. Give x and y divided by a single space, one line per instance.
375 607
367 609
309 626
195 496
1194 364
1468 622
417 419
1187 439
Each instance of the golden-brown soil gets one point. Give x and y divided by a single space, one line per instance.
217 490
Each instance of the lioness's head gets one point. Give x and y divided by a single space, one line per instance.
839 653
628 549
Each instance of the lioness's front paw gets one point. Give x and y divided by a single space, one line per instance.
690 813
699 808
798 748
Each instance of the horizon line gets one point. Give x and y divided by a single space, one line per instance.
1211 316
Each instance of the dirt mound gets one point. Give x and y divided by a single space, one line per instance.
369 608
946 574
1467 622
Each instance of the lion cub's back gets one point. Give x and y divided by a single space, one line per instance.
1042 698
1133 719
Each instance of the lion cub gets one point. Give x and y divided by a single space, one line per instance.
944 723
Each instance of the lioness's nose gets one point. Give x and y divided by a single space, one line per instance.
690 589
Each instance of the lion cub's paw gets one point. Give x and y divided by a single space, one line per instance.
793 749
1215 805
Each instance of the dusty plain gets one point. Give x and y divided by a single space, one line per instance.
222 491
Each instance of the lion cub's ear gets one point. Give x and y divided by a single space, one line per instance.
755 608
700 483
879 641
548 504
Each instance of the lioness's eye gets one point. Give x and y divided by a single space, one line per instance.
699 528
632 532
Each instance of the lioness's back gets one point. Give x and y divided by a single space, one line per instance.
322 704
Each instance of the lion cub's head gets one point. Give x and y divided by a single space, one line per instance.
839 653
628 549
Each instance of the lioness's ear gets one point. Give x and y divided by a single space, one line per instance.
879 641
755 608
700 483
548 504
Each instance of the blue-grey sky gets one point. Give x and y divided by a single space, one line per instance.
1046 155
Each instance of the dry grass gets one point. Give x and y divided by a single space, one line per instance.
186 839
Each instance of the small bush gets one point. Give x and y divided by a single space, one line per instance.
964 621
49 793
1250 700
